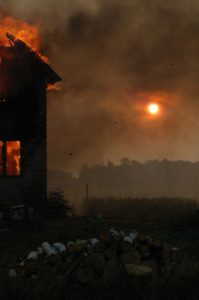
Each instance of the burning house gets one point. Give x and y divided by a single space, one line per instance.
24 77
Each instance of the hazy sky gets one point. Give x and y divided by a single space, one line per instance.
114 57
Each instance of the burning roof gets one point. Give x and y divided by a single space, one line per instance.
19 50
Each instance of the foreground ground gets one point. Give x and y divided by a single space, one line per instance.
18 241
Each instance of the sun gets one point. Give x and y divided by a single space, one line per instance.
153 108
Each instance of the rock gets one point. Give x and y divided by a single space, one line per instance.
105 237
142 238
71 247
12 273
94 241
128 239
132 257
113 232
126 246
138 270
115 235
103 259
152 263
30 268
112 271
59 247
133 236
48 249
78 247
115 245
110 254
82 243
90 249
69 259
52 259
32 255
144 250
87 261
98 262
99 247
157 244
40 251
84 274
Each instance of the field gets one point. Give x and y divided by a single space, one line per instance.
182 232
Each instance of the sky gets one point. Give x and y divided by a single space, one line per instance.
115 57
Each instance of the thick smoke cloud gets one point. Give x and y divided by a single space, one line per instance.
114 56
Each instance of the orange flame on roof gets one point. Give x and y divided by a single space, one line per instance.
28 33
21 30
24 31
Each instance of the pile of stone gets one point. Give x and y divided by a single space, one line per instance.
107 257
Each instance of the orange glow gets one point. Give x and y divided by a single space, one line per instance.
153 108
54 87
13 158
21 30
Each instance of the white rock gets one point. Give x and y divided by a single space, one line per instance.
70 243
94 241
114 232
12 273
48 249
133 236
60 247
128 239
32 255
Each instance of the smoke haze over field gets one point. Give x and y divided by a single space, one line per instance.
114 57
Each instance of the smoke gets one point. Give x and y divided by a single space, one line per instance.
115 56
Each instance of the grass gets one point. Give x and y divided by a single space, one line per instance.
141 208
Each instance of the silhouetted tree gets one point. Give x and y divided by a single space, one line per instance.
57 205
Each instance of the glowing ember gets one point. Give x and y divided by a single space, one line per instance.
153 108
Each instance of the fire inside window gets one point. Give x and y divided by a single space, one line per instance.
10 158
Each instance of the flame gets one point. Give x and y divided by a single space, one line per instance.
28 33
13 158
54 87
